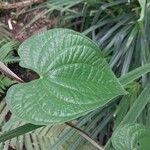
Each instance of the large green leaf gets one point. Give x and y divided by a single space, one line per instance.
74 78
131 137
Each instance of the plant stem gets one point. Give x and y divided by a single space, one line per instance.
85 135
6 71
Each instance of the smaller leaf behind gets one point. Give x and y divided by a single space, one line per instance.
131 137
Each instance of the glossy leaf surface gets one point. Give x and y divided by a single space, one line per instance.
131 137
74 78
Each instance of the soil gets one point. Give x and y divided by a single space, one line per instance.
19 26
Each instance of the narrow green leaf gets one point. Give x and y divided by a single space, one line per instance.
135 74
143 8
137 106
18 131
92 2
6 49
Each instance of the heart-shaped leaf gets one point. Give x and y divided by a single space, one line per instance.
74 78
131 137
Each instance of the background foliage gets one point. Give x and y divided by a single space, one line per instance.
121 28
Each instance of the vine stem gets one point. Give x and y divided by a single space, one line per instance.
6 71
85 135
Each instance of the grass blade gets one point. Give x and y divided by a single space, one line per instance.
18 131
135 74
